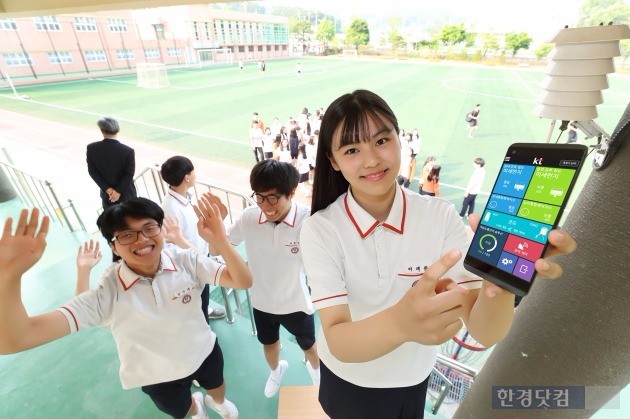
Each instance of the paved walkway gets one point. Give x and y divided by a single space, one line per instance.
56 152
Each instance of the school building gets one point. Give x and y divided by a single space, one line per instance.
113 41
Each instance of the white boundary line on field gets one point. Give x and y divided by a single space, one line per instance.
519 78
446 83
181 131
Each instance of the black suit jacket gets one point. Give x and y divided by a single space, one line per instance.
112 164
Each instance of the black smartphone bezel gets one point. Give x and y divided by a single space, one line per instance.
496 275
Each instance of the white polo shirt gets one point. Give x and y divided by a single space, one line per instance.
352 259
181 207
160 333
275 259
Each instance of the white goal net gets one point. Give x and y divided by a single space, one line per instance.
350 53
210 56
152 75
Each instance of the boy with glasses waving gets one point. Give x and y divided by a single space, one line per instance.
149 301
280 296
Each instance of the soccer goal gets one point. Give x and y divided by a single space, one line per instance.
210 56
152 75
350 53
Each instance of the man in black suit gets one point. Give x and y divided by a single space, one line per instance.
112 165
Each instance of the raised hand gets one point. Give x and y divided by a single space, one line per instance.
210 225
21 250
430 312
89 255
216 200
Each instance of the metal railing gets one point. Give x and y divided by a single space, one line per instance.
447 384
39 193
149 184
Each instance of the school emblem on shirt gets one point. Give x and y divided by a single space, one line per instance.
186 299
294 247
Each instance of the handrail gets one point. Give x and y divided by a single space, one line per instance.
149 183
451 364
39 193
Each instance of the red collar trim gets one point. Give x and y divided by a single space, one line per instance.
167 265
178 197
292 215
364 234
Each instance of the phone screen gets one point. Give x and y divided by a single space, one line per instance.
526 202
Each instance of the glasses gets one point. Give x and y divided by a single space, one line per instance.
272 199
129 237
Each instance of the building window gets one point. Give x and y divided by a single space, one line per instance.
47 23
260 48
17 59
241 48
152 53
284 48
250 48
277 47
196 29
125 54
206 26
8 24
60 57
85 24
117 25
174 52
159 30
95 56
268 47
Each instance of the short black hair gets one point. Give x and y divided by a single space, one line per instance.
272 174
113 218
175 169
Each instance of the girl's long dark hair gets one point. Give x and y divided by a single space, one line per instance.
351 114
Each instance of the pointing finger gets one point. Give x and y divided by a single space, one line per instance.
437 269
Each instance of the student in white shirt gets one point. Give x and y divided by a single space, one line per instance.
366 244
280 296
149 301
179 173
474 187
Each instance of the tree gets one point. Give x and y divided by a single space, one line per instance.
489 42
358 33
452 34
300 28
543 50
325 31
396 40
515 41
594 12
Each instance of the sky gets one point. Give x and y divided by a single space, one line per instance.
540 18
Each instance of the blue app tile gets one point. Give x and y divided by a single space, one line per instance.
513 180
507 262
487 244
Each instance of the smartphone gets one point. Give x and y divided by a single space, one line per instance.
526 202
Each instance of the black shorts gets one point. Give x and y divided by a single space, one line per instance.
303 177
343 400
173 397
299 324
294 155
473 123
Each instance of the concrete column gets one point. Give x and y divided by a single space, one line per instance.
574 330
